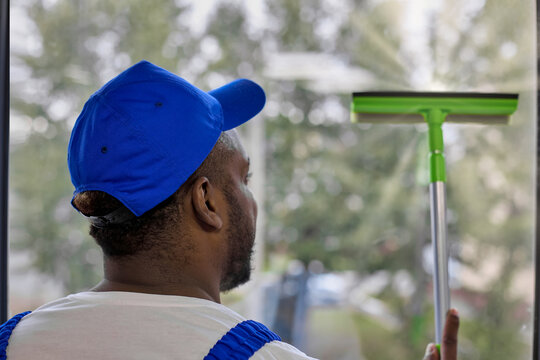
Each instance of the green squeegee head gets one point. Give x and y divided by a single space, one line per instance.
433 108
415 107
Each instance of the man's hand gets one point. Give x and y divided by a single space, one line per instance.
449 340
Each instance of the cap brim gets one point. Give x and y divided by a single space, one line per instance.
240 100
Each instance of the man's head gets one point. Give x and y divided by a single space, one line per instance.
158 174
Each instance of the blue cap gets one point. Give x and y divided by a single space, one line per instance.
142 135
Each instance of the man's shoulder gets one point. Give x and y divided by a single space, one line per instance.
149 324
279 350
124 303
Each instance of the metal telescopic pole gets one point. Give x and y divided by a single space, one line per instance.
4 153
437 190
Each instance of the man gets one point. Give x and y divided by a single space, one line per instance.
160 173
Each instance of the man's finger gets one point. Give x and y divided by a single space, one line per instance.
449 340
431 352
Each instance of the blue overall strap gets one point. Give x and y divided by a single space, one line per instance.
242 341
5 332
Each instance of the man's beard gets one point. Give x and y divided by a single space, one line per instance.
240 239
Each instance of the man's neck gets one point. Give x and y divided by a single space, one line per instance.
134 276
178 290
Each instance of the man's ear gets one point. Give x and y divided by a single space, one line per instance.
204 200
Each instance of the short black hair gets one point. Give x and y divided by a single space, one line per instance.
151 229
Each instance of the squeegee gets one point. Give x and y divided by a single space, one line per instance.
434 108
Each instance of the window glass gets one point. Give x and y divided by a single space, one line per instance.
343 258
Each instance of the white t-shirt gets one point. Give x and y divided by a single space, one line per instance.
125 325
